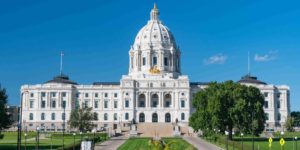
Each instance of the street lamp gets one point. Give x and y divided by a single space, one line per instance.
282 133
94 142
38 137
233 139
296 138
74 134
80 136
226 133
242 135
25 140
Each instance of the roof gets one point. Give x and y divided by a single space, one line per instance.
106 83
61 79
199 83
251 79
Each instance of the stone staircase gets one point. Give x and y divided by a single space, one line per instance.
155 129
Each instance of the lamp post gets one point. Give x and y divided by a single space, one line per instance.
282 133
296 138
80 136
64 124
242 135
226 133
74 134
25 135
38 137
233 139
94 142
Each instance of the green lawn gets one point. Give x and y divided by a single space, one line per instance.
143 144
259 143
9 141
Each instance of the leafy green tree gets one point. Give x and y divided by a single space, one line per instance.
289 124
5 120
227 106
82 119
296 116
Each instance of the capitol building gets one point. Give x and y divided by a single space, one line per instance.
153 91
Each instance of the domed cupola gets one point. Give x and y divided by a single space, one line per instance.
154 33
154 51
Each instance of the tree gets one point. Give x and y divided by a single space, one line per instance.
227 106
5 120
296 116
81 118
289 124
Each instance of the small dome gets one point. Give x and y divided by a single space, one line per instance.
250 80
154 33
61 79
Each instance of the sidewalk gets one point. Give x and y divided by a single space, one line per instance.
111 144
201 144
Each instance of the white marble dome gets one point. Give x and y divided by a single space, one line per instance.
154 33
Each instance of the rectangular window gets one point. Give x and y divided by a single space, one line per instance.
63 116
115 104
266 94
86 104
115 95
105 94
279 117
166 61
53 104
96 104
53 94
267 116
43 104
105 104
144 61
126 116
43 94
86 94
63 94
154 61
31 104
126 103
182 103
31 94
96 95
115 116
63 105
278 104
266 104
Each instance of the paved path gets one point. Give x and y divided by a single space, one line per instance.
201 144
111 144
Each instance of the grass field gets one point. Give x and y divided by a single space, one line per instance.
9 141
143 144
259 143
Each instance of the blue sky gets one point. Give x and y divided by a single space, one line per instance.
214 36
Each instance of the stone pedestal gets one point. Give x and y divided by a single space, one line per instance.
176 131
133 131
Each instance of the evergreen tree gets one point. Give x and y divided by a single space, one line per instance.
5 120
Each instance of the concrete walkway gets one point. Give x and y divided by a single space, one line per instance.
201 144
111 144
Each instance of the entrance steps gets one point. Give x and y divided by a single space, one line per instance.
155 129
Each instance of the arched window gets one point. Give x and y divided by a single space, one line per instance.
31 116
53 116
154 100
154 117
126 116
182 116
167 117
105 116
167 100
43 116
142 117
142 100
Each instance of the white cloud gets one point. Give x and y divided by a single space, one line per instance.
271 55
216 59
